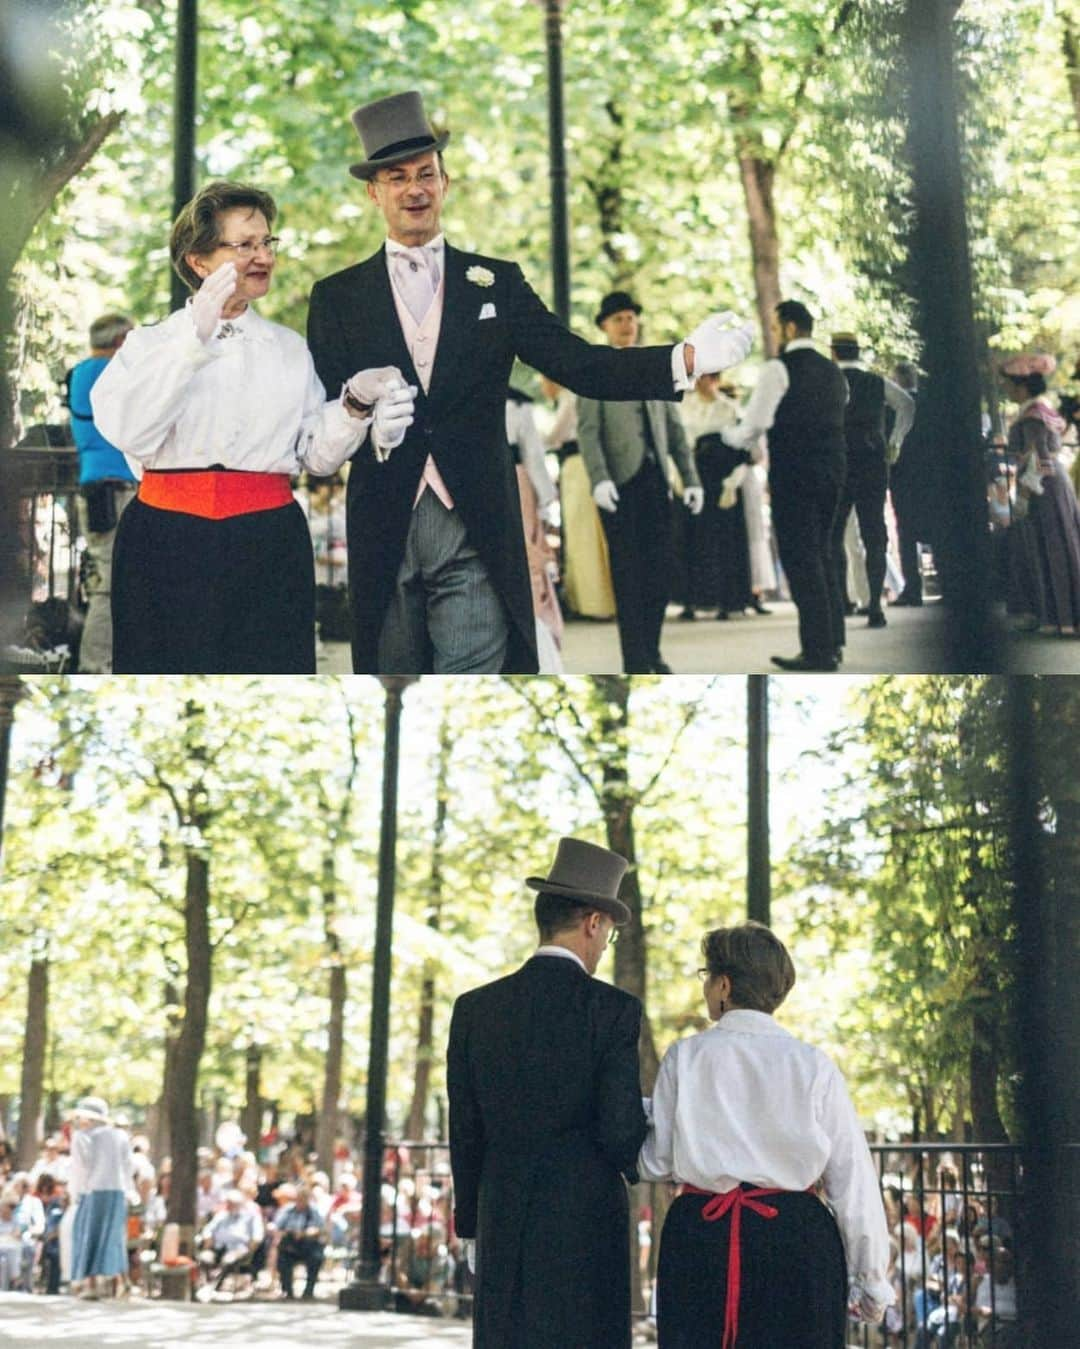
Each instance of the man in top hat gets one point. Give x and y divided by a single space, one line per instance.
628 448
438 576
799 401
866 480
546 1120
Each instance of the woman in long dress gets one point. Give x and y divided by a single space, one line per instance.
1045 538
586 567
747 1120
101 1175
216 409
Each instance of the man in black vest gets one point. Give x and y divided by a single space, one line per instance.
546 1120
438 576
799 400
867 478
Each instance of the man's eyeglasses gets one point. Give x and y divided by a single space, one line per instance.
247 250
613 937
426 178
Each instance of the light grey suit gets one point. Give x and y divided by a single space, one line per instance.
612 440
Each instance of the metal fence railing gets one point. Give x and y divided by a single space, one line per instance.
954 1212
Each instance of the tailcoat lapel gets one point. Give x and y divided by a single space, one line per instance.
456 323
377 314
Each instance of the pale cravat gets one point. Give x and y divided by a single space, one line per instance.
416 275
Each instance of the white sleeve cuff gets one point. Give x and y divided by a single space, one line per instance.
679 377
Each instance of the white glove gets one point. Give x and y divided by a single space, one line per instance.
394 413
606 494
210 299
693 498
720 342
470 1254
892 453
368 386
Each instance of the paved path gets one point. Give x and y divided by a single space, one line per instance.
139 1324
911 644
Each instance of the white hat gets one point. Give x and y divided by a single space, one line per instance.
92 1107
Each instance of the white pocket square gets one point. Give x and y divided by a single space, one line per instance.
487 311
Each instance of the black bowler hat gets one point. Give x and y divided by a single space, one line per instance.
615 303
394 129
587 874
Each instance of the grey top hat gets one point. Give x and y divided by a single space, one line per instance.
588 874
393 129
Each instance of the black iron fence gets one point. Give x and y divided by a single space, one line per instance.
956 1216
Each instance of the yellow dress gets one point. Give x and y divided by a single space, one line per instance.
585 565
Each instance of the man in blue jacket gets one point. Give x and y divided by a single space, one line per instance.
106 486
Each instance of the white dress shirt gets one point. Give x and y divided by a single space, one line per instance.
247 399
760 412
745 1101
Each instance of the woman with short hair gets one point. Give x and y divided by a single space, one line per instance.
747 1120
216 408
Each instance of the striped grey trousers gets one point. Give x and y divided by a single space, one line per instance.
445 616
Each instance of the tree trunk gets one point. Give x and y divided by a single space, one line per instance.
758 180
1070 46
607 192
31 1089
160 1125
251 1120
182 1111
328 1127
415 1126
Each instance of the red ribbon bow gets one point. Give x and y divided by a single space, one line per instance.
733 1202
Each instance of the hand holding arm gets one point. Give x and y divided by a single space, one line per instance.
393 416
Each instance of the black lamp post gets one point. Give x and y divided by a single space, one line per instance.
366 1293
560 226
757 798
187 49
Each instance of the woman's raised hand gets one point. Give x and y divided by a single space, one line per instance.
211 298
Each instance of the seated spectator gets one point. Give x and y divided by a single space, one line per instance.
53 1160
14 1267
995 1300
302 1242
425 1274
231 1237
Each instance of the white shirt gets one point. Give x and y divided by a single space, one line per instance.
760 412
250 400
747 1101
100 1160
560 951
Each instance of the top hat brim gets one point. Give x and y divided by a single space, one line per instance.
604 314
370 167
614 908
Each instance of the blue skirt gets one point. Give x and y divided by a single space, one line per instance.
99 1235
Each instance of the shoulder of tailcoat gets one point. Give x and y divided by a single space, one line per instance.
545 1121
460 421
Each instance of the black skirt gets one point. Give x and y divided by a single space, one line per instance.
793 1291
198 596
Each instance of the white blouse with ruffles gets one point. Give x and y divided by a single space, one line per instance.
248 399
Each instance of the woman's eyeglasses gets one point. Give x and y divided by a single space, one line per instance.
247 250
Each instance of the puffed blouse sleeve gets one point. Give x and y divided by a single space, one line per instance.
328 434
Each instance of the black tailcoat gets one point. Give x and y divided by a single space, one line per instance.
545 1119
461 422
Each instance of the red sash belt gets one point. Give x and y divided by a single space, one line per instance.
733 1201
215 494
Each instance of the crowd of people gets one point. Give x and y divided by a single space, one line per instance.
90 1218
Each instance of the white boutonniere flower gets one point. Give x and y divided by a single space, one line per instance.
480 276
